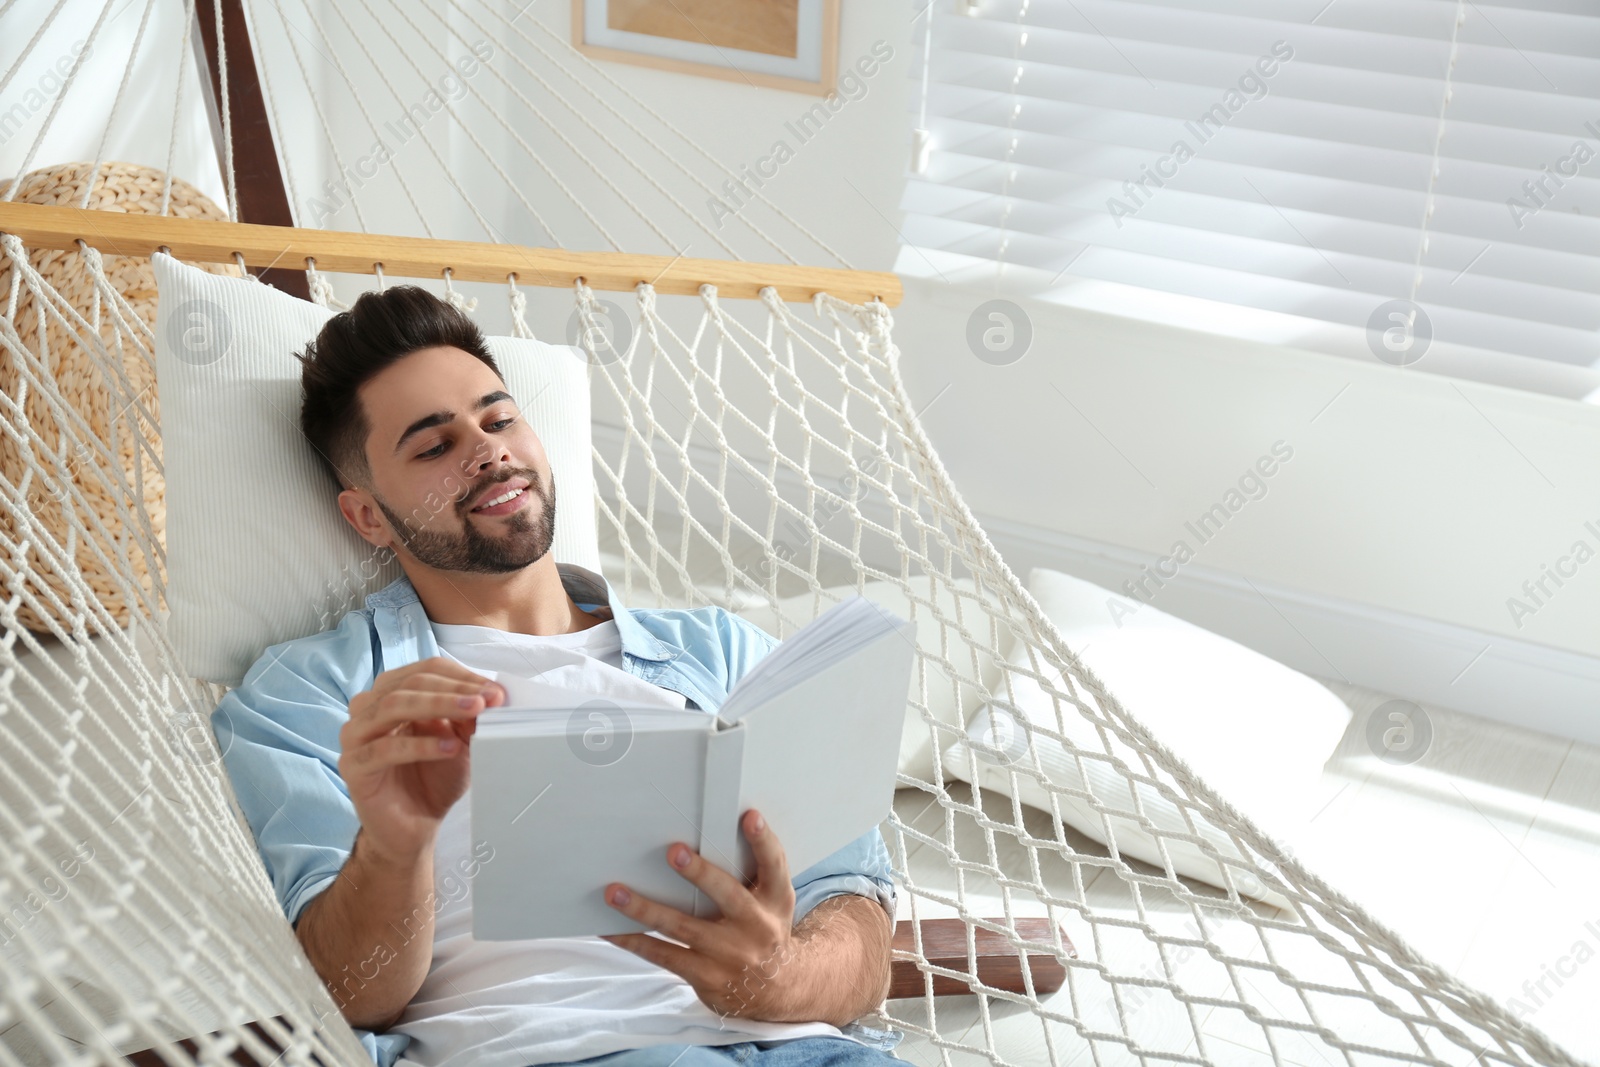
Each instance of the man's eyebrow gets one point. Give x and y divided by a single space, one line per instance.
439 418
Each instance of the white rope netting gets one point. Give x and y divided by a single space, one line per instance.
139 911
751 455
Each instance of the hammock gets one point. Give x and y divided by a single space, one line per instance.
750 463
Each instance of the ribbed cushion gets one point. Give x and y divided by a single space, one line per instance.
1256 731
257 551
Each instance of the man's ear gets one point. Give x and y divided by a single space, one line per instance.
360 511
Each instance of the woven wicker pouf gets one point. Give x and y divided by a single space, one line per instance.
107 391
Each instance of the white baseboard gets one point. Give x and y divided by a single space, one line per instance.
1431 662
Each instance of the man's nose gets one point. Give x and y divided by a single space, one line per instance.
489 453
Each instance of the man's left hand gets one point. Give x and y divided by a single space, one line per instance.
738 964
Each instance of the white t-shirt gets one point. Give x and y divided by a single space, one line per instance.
514 1003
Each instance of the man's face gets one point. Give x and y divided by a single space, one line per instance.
445 439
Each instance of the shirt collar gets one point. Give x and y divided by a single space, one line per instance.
584 586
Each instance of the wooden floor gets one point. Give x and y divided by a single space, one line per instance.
1483 854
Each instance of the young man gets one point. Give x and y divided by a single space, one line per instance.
350 751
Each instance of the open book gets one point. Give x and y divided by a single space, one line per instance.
570 800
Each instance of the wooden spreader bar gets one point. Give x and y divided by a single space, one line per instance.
292 247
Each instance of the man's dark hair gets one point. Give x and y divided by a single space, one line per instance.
354 346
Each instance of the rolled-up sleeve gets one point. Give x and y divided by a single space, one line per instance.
861 867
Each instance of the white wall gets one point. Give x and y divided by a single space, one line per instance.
1383 552
1406 491
734 124
865 143
89 118
1412 503
841 182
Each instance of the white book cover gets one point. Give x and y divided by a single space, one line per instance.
574 799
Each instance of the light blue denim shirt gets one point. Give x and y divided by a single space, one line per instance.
279 735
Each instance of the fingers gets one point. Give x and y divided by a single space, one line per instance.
394 750
725 890
440 666
680 961
449 701
736 902
773 886
698 934
423 711
435 689
750 931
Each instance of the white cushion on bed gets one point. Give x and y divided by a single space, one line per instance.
257 551
1254 730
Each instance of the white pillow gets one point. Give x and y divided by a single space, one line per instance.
948 700
257 551
1254 730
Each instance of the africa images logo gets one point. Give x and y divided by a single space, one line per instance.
1252 85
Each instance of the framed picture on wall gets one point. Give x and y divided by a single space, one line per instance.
782 44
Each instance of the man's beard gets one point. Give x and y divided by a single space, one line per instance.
525 539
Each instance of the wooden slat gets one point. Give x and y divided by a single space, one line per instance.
944 944
208 241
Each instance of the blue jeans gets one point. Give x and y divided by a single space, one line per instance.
796 1052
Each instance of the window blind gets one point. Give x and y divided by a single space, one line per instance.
1416 181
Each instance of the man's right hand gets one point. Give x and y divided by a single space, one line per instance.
405 752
